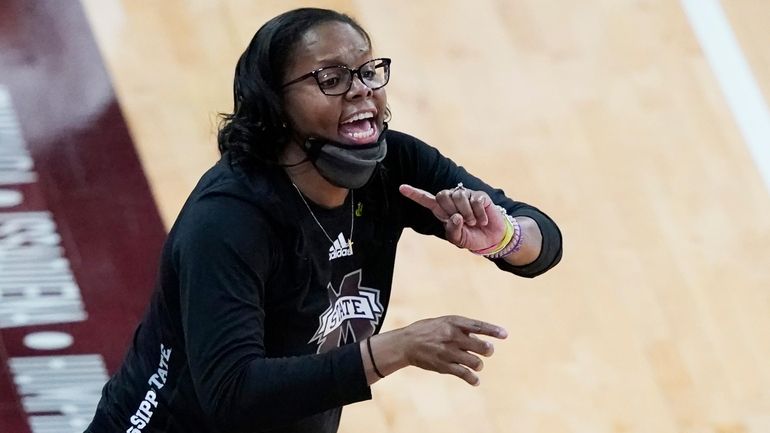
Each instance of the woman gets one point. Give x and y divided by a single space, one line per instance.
276 276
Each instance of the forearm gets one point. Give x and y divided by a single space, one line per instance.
257 396
542 247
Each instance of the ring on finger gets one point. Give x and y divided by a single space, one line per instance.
462 190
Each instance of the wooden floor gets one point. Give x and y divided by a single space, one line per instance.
606 115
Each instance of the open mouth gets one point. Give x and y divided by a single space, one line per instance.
360 129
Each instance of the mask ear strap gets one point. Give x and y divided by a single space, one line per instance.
313 147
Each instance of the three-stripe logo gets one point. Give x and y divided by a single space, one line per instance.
340 248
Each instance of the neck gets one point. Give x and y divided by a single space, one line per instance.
310 182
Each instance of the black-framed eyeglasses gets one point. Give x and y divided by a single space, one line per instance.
337 80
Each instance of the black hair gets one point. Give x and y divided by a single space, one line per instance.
257 128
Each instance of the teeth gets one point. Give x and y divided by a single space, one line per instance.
363 134
360 116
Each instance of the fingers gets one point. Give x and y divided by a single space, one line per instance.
457 201
424 199
463 373
463 364
469 360
480 201
471 205
450 345
461 200
479 327
476 345
454 230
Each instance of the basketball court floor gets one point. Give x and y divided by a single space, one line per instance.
616 117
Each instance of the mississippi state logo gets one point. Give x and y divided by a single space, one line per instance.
353 314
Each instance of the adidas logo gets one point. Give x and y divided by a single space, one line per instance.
340 248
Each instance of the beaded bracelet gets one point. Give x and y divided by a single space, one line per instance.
514 245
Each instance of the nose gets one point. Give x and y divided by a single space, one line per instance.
358 88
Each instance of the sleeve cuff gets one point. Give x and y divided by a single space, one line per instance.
349 375
550 250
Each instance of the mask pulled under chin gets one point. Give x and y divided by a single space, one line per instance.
346 166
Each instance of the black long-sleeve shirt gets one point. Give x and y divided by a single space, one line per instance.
257 304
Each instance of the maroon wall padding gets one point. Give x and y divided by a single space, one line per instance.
88 177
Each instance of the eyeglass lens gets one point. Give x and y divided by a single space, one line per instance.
338 80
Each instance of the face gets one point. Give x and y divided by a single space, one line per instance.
355 117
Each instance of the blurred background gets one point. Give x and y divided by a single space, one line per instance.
639 126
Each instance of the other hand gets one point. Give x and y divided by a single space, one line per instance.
449 345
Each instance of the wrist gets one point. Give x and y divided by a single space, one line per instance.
511 238
530 244
515 243
382 355
392 348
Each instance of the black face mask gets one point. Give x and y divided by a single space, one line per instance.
346 166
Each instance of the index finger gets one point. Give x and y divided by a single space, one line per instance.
473 326
423 198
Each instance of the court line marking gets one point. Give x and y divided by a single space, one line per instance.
739 87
